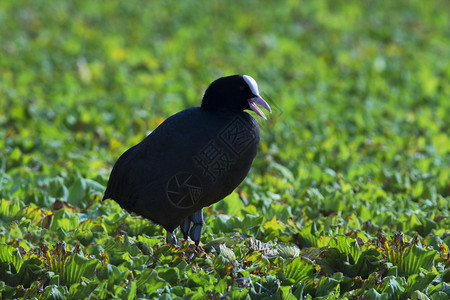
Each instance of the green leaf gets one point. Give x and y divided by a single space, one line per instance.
285 293
392 286
372 294
6 291
352 162
346 245
78 267
418 282
274 225
111 273
418 295
81 290
440 296
15 270
171 275
251 223
201 279
53 292
299 270
221 286
64 220
417 258
130 292
76 191
10 255
285 172
31 271
10 210
368 262
232 205
327 286
228 254
288 251
308 238
222 266
149 282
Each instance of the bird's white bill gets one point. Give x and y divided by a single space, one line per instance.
253 86
258 100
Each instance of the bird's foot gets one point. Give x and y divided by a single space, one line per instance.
194 231
171 238
185 227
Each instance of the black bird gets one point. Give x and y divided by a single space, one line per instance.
193 159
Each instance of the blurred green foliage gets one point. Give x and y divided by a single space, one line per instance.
348 196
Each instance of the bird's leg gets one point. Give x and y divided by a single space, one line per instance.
185 226
196 230
171 238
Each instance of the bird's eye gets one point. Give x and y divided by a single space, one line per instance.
241 88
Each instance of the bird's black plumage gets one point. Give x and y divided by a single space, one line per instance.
193 159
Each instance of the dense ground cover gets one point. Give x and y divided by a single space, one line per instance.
349 194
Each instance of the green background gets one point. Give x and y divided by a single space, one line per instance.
347 197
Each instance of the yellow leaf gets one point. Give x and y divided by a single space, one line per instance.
115 143
274 224
119 53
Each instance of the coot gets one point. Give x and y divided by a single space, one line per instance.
193 159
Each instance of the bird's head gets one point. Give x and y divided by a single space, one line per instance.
236 92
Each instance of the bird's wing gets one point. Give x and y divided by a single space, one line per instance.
164 152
